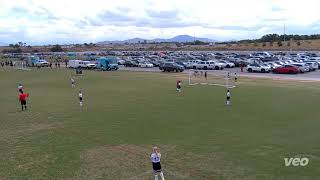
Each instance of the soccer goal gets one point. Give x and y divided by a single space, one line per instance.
212 78
21 65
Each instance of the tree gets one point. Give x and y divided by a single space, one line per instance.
288 44
279 43
56 48
271 43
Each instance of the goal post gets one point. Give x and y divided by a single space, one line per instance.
212 78
21 65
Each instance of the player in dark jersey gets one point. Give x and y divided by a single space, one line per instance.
179 86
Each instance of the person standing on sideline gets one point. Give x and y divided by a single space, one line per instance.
156 165
81 98
228 97
205 75
23 100
241 67
72 82
235 77
179 86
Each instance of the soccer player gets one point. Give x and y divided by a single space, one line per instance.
81 98
156 165
72 82
23 100
20 88
179 86
228 76
235 77
228 97
205 75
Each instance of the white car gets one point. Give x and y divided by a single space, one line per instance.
228 64
313 65
190 64
302 67
222 64
78 64
273 65
91 65
258 68
145 65
203 65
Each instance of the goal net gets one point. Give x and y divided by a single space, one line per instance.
21 65
213 78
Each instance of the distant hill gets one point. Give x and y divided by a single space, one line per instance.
3 44
179 38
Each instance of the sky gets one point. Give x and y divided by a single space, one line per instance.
38 22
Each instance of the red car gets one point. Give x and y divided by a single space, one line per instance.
287 69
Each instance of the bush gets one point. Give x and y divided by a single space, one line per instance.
56 48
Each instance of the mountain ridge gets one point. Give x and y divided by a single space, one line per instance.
179 38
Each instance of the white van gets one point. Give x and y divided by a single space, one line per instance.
77 64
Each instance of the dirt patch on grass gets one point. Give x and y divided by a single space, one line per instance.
11 135
132 162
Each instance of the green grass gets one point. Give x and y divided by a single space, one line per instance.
126 113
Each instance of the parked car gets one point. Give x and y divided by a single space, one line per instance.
190 64
287 69
145 65
89 65
258 68
77 64
169 67
121 62
302 67
228 64
273 65
313 65
130 64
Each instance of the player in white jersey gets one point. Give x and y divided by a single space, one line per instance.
81 98
156 165
20 88
228 97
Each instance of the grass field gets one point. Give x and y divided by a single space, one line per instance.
126 113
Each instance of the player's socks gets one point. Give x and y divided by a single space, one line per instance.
162 176
156 177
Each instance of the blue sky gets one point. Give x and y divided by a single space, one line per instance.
73 21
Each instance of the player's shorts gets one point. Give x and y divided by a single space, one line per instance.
228 98
179 87
80 98
156 167
23 102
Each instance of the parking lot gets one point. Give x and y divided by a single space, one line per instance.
311 76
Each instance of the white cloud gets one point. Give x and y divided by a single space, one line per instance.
66 21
